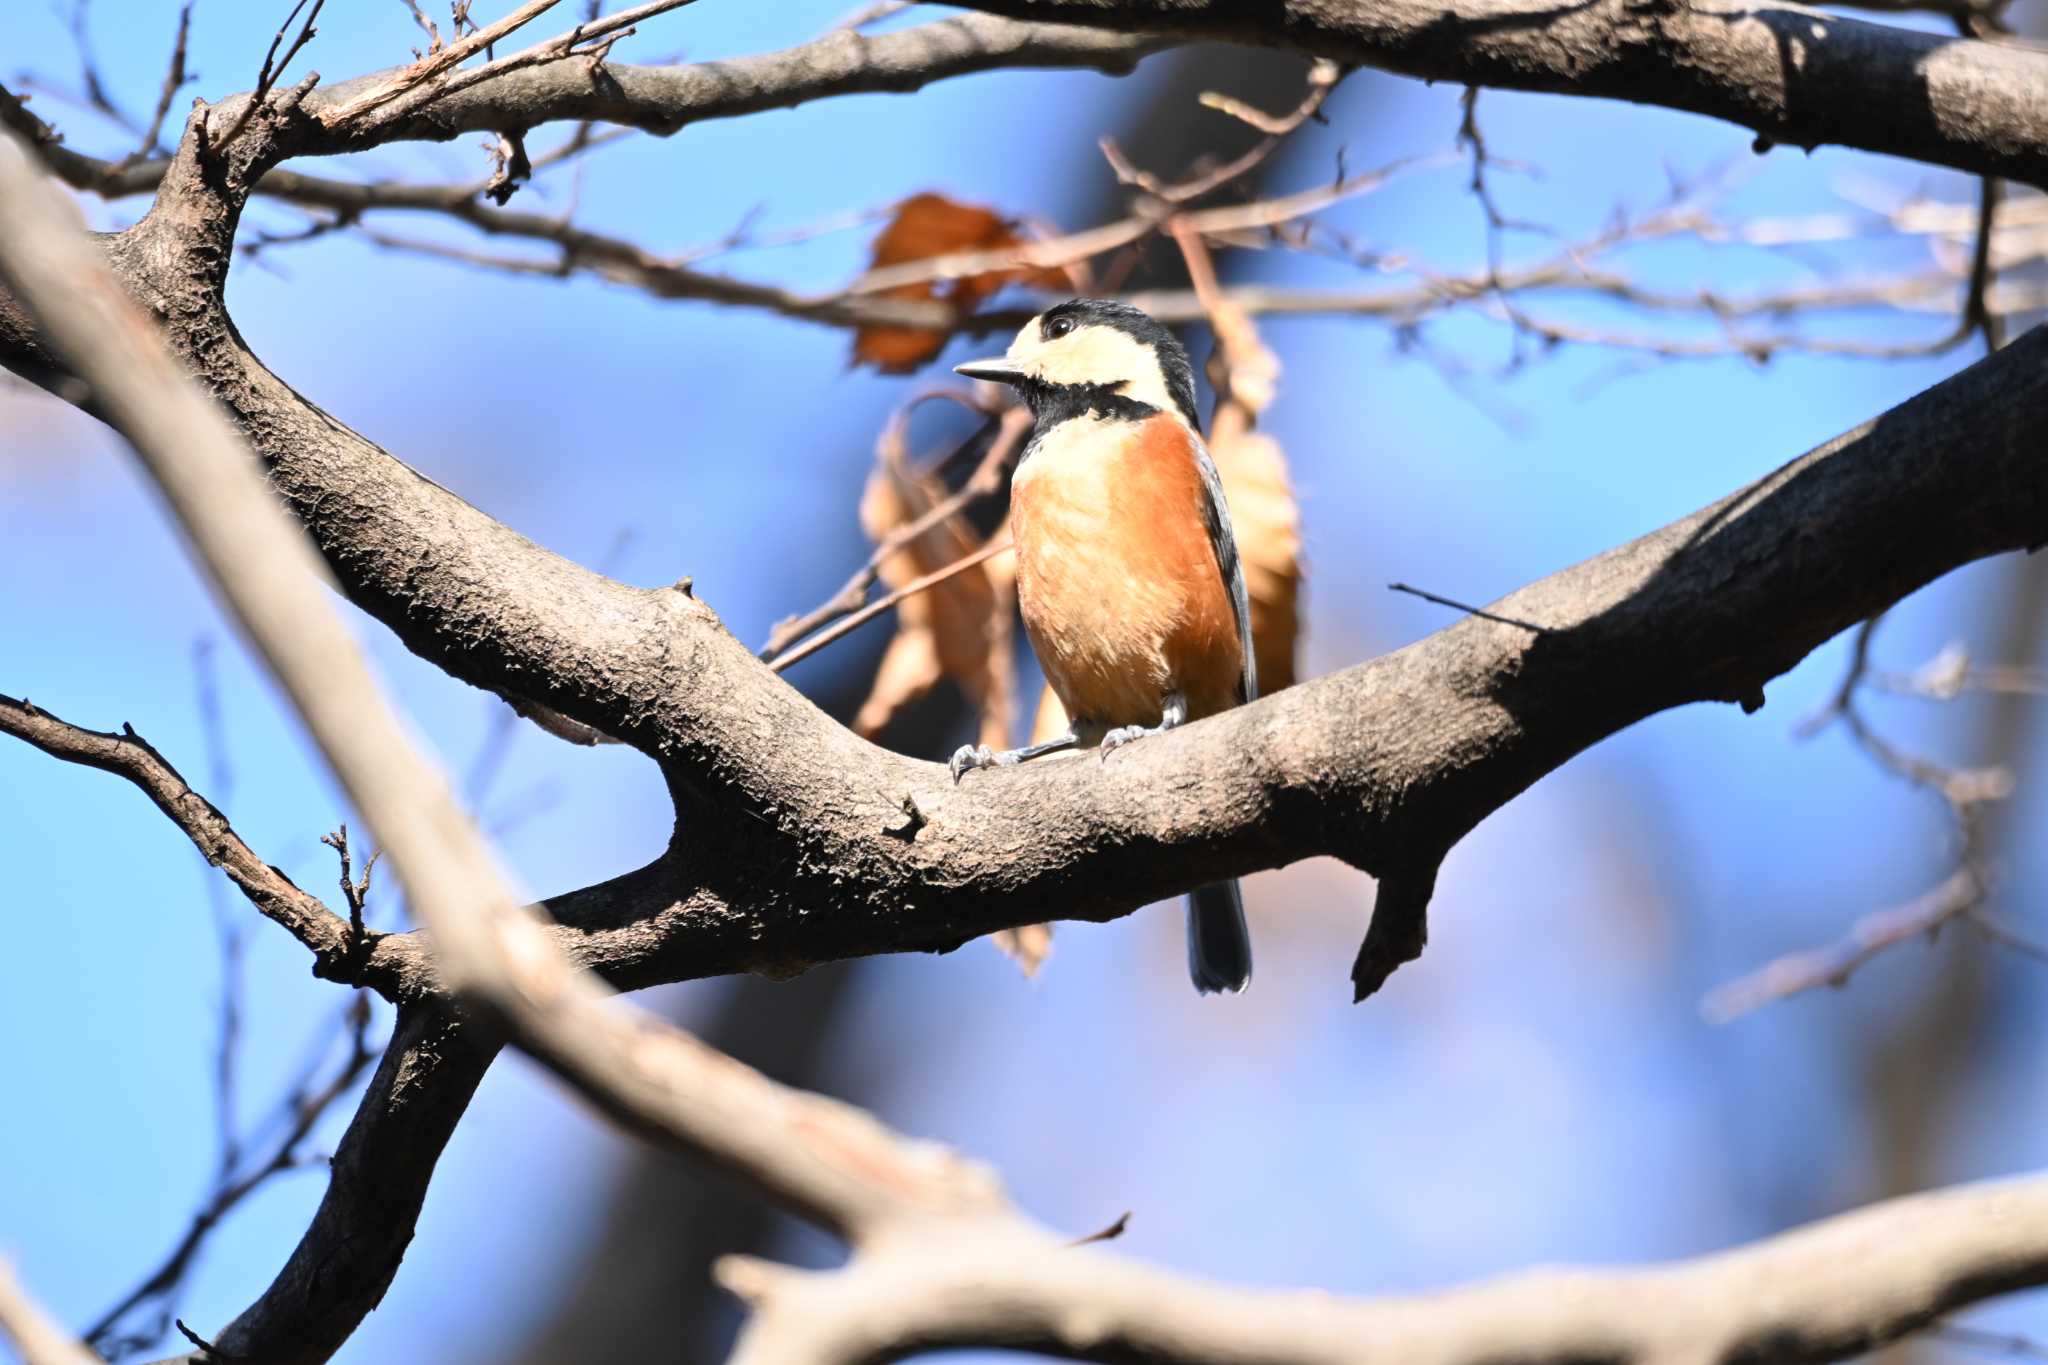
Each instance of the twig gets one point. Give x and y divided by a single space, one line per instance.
130 756
439 75
1977 314
873 12
1950 673
438 60
268 77
1149 219
355 893
988 478
2005 937
1323 77
1572 270
1456 605
174 81
510 167
1108 1234
428 27
1961 896
1833 964
880 605
305 1103
229 928
816 1156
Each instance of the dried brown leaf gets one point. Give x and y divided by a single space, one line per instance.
928 225
958 629
1028 946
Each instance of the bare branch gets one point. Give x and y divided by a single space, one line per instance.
40 1340
1827 1291
1322 82
1960 897
1792 75
305 1104
988 479
129 755
1699 610
377 1181
1975 298
922 583
437 76
1832 965
273 68
174 81
662 99
442 59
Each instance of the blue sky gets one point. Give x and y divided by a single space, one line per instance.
1540 1087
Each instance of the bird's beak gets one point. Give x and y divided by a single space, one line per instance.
998 370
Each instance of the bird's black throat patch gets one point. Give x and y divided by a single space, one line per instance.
1052 404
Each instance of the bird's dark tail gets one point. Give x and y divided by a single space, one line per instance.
1219 945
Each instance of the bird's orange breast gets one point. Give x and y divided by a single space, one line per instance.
1116 576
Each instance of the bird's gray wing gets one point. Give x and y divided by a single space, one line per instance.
1216 518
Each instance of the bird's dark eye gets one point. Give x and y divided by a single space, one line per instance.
1058 328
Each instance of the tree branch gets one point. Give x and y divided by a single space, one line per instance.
1827 1291
665 99
40 1340
376 1185
658 99
1386 764
129 755
1788 73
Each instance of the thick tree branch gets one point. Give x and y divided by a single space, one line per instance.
659 99
376 1185
1788 73
1386 764
1828 1291
663 99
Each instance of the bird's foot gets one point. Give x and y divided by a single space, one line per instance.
981 756
1173 712
1124 734
971 756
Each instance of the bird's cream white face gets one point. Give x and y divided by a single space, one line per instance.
1091 355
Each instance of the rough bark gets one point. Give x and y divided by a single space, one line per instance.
1790 74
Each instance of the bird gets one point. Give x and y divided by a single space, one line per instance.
1128 576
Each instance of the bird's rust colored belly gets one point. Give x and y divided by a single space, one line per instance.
1116 577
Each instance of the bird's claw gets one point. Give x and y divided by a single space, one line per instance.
968 757
1122 735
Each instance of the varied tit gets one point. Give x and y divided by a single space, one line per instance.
1127 574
